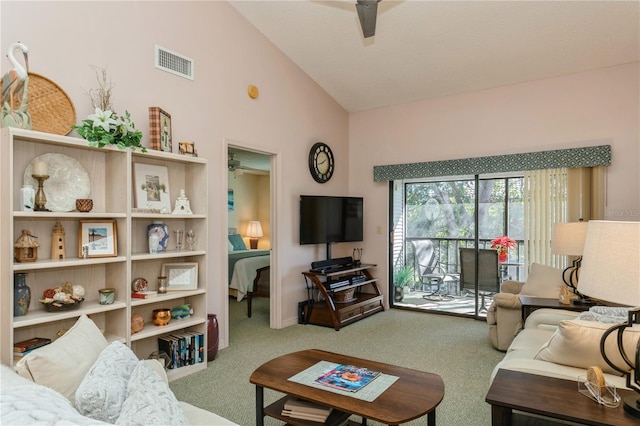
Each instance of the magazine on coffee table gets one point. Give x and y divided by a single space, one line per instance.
348 378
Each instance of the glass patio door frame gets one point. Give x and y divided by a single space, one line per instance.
399 243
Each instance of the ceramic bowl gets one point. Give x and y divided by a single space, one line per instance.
161 316
84 205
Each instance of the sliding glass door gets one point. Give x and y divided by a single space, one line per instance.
435 221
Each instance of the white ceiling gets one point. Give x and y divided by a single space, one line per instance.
430 49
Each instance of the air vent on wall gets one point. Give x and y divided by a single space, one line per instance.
174 63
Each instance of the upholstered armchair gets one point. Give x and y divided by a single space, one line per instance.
504 316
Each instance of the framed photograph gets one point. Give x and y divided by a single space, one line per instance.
97 238
159 129
187 148
181 276
151 187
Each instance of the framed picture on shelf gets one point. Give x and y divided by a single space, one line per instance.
181 276
151 187
187 148
159 129
97 238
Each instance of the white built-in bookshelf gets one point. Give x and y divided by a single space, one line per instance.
111 178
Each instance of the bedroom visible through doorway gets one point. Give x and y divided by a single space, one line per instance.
249 221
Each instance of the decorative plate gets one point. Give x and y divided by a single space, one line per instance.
61 306
68 181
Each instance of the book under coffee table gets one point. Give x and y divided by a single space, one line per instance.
414 394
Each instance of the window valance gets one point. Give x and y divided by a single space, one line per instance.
573 157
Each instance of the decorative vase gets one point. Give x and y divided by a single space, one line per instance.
503 256
161 231
161 317
27 198
21 295
212 337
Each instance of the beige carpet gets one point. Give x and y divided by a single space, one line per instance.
455 348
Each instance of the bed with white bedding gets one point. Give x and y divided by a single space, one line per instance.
244 272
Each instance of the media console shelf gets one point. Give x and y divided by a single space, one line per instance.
323 305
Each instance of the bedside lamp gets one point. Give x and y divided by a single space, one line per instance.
611 272
254 231
568 239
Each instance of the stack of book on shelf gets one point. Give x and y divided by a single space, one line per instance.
183 349
20 349
147 294
306 410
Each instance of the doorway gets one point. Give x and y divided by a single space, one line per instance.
250 221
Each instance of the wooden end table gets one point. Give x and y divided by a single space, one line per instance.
550 397
530 304
413 395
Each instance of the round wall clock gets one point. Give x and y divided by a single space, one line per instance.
321 162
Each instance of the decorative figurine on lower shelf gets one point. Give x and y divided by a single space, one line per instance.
181 311
182 204
25 248
137 323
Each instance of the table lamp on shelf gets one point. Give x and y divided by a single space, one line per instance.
611 272
254 231
568 239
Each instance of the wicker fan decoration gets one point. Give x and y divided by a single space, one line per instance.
50 108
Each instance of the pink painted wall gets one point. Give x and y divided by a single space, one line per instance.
586 109
291 113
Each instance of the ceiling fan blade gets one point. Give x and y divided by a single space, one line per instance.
367 12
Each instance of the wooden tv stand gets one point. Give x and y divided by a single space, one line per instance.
323 307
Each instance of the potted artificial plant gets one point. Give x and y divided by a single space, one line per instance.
402 279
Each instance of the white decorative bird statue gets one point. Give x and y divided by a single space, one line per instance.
15 86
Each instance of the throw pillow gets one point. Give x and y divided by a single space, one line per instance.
62 364
230 245
605 314
576 343
104 388
237 242
150 401
23 402
543 281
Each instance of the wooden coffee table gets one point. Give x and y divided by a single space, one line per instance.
549 397
413 395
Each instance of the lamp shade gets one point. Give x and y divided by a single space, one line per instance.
254 230
568 238
611 262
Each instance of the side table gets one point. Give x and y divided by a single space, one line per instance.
530 304
549 397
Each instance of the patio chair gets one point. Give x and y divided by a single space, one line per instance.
261 286
488 273
428 270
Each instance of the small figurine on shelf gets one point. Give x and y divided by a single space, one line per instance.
181 311
182 204
25 248
137 323
57 242
191 239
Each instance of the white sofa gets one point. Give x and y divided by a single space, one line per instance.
82 379
563 344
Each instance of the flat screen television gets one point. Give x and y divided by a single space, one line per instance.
328 220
